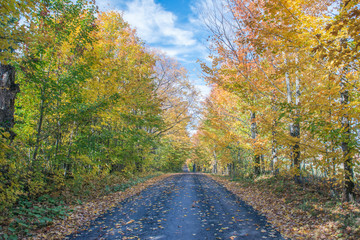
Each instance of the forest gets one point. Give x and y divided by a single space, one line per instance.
282 119
84 103
285 96
88 109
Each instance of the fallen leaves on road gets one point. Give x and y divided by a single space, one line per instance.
83 214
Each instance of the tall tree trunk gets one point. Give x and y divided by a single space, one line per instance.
274 157
345 124
295 133
262 164
345 145
8 91
215 162
294 124
274 153
253 136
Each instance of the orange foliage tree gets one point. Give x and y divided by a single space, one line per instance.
293 67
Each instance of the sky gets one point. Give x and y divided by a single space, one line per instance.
173 26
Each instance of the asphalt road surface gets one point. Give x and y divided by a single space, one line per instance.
184 206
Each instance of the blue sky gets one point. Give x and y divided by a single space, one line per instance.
172 26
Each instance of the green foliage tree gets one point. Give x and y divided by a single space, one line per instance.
93 103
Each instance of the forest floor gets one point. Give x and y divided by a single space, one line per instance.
82 214
179 206
53 215
200 206
299 212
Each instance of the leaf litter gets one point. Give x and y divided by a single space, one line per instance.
82 215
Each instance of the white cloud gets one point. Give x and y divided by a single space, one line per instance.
204 91
173 52
156 25
185 54
160 28
183 40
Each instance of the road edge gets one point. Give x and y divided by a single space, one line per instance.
236 189
82 215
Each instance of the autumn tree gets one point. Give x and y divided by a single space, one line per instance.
293 65
12 33
95 102
338 46
178 99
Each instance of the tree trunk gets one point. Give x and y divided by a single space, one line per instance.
295 133
253 136
274 156
215 163
294 124
8 91
345 145
274 152
346 137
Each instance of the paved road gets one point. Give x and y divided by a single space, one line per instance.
185 206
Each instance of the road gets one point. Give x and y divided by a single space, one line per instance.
184 206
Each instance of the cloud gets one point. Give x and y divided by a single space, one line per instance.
204 91
172 51
182 38
156 25
160 28
179 38
185 54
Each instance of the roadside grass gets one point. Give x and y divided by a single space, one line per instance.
29 215
306 211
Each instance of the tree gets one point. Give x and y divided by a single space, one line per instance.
12 34
8 93
293 65
178 104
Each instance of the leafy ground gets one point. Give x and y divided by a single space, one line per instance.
184 206
299 213
53 217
